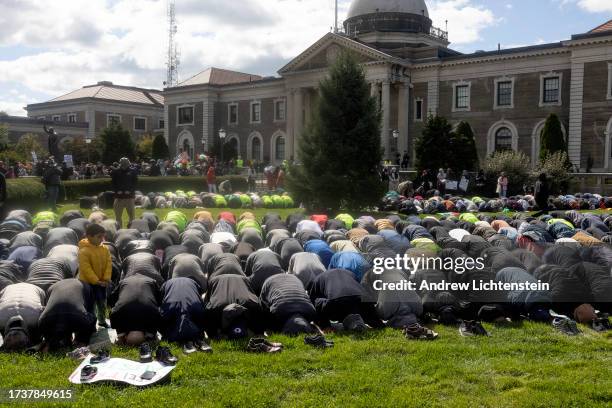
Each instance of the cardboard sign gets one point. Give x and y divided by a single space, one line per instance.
463 185
123 371
34 157
451 185
68 160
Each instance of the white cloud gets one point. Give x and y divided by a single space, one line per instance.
596 6
125 41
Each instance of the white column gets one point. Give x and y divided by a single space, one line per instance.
206 125
90 118
386 116
575 115
166 124
403 117
289 131
298 122
374 90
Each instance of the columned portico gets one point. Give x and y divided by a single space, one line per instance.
386 117
298 121
403 116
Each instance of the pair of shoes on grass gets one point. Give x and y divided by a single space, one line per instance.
602 323
471 328
566 326
162 354
318 340
199 345
261 345
417 332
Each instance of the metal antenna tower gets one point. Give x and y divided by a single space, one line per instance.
173 53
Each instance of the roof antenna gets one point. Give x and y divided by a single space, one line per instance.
498 47
336 18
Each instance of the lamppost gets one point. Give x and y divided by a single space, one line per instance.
395 137
203 140
222 135
87 143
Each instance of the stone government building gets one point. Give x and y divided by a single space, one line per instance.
505 95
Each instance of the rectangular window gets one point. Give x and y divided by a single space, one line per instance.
255 112
162 124
418 110
140 123
57 118
185 115
551 90
462 97
112 119
72 118
232 114
279 110
504 93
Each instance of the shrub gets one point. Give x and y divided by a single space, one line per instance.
551 138
159 150
117 143
433 146
555 167
25 193
516 166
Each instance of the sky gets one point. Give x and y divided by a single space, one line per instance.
49 48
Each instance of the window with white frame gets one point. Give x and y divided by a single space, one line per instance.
504 93
461 96
279 148
72 118
56 118
550 89
161 124
232 114
140 123
279 110
609 80
503 139
112 119
185 115
255 112
418 110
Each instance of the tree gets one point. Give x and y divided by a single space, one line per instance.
3 113
4 136
514 164
462 153
160 150
552 139
27 144
117 143
83 152
433 148
340 149
144 148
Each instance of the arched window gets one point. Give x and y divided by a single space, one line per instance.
256 148
279 149
503 139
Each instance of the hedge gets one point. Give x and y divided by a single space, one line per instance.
27 193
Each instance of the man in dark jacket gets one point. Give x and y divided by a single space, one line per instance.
51 180
2 194
69 310
124 181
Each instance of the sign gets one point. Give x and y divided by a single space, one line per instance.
34 157
119 370
463 185
451 185
68 160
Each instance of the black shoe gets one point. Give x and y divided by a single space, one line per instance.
189 348
354 322
165 356
104 325
145 353
88 372
469 328
103 355
601 324
318 340
259 345
417 332
566 326
203 346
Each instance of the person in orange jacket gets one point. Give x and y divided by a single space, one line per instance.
95 268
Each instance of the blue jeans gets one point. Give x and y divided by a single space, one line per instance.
52 194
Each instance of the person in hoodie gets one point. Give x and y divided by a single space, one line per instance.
96 268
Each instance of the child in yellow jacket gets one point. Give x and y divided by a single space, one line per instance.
95 268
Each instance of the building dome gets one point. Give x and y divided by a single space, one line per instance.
363 7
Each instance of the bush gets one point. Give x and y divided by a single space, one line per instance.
433 146
551 138
555 167
117 143
516 166
159 149
25 193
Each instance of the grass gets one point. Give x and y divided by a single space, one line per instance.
524 365
520 365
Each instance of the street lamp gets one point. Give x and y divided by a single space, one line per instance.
395 134
222 135
87 142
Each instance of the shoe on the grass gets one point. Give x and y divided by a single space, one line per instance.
566 326
257 340
469 328
318 340
88 372
417 332
102 356
145 353
189 347
354 322
203 346
260 345
601 324
165 356
80 353
103 324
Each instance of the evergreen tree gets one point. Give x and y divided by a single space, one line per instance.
433 148
117 143
462 154
4 136
551 138
160 148
340 149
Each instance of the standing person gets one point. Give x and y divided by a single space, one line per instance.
211 179
251 178
405 160
2 195
51 180
502 185
441 181
95 268
270 176
124 181
280 178
393 179
481 181
542 191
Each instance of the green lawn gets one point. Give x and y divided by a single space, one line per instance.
526 365
520 365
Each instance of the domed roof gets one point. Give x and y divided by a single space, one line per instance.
361 7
